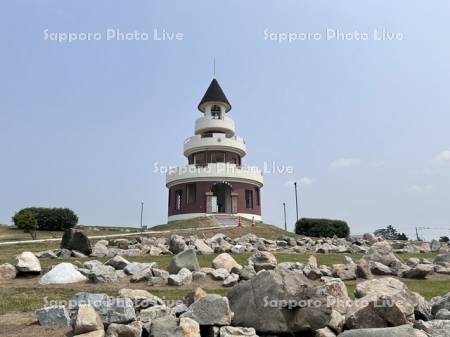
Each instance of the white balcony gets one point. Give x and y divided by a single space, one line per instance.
215 141
207 124
211 172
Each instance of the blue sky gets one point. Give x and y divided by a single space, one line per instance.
365 124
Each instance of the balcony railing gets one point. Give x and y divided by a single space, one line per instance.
218 141
226 171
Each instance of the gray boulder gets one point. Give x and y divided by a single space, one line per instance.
263 261
400 331
202 247
443 314
377 268
154 312
111 309
336 292
86 320
439 303
381 303
435 246
420 271
435 328
210 310
186 259
442 259
184 277
97 300
382 252
369 237
345 272
133 329
100 249
164 327
117 262
231 331
231 280
102 274
74 239
227 262
279 301
177 244
247 272
141 298
54 316
64 253
220 274
46 254
137 267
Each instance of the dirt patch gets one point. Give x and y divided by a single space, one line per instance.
25 325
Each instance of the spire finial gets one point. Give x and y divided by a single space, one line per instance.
214 67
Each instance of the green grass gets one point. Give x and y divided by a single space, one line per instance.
183 224
8 233
428 288
30 299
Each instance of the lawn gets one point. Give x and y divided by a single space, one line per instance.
29 299
9 233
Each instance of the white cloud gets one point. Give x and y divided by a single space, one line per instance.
378 164
306 181
301 182
443 156
420 188
345 162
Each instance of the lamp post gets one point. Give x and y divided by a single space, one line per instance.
296 199
142 213
285 223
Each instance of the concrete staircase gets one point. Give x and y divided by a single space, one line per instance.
225 220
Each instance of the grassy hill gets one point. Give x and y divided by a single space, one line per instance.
261 229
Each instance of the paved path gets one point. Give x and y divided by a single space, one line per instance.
118 235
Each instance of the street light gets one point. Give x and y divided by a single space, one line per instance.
285 223
142 213
296 199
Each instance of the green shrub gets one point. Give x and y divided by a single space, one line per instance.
56 219
322 228
26 220
390 233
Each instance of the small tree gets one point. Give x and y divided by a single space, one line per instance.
390 233
26 220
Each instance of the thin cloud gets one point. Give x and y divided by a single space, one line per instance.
345 163
378 164
301 182
420 188
443 156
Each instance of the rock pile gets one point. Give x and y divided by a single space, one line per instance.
75 243
275 302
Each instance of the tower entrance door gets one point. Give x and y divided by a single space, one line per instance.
222 198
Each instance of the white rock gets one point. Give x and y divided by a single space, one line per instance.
27 262
62 273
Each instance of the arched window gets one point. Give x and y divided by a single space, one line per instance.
215 112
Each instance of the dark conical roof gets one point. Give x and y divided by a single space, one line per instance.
214 94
